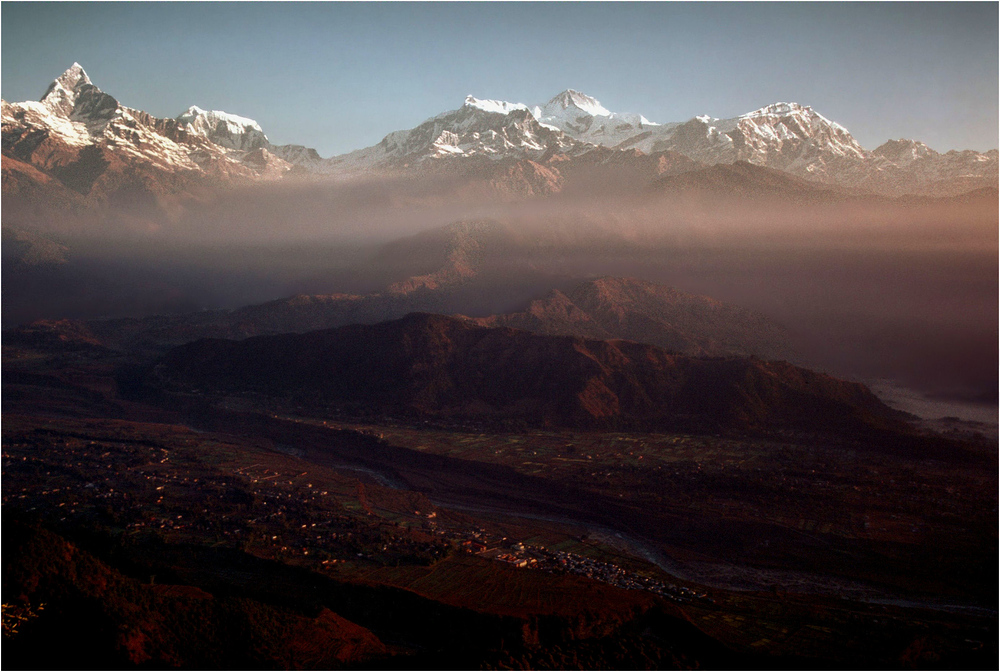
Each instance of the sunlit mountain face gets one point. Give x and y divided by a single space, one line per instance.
76 127
531 384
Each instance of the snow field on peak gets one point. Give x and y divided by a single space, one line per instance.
582 102
783 135
38 114
495 106
227 130
195 114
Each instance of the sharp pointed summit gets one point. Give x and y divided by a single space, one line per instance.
62 92
74 76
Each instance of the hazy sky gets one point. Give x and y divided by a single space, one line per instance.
339 76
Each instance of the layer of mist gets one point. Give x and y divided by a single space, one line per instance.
869 288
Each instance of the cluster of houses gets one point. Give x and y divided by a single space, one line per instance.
271 510
143 489
518 555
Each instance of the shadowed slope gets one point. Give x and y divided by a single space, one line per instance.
641 311
435 366
112 621
747 182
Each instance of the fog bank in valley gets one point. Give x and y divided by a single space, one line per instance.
902 289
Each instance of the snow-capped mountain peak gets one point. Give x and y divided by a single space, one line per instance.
126 146
777 110
224 129
574 99
61 95
74 76
903 151
75 115
72 108
484 128
584 118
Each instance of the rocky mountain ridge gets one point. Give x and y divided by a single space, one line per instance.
94 145
104 150
637 310
790 137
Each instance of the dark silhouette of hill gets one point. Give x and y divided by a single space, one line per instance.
743 181
55 335
224 608
503 179
616 172
453 254
985 196
642 311
28 249
441 367
23 181
113 621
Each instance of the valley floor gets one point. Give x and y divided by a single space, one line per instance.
452 545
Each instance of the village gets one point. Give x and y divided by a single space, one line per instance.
133 490
562 562
183 486
534 557
143 488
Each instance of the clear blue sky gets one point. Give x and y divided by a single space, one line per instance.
339 76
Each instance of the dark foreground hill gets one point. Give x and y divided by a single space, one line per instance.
113 621
441 367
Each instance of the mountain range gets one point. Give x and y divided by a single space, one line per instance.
601 308
636 310
78 142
